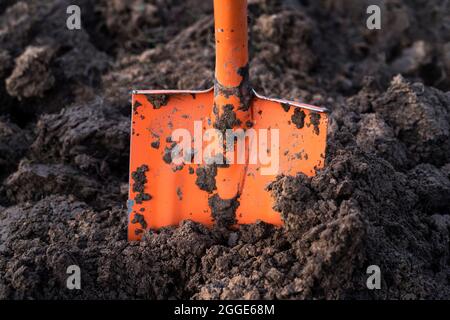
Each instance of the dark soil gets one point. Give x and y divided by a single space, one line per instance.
206 178
298 118
382 199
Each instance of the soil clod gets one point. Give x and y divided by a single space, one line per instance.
206 178
158 100
298 118
139 182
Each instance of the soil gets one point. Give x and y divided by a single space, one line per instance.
139 182
158 101
298 118
223 211
227 118
382 199
206 178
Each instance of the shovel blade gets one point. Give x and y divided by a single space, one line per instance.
301 147
290 138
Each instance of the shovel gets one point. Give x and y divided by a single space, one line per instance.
209 155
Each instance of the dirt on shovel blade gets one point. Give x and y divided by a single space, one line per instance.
383 198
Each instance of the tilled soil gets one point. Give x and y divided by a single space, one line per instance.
382 199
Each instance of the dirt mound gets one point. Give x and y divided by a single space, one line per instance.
420 117
360 211
91 136
382 199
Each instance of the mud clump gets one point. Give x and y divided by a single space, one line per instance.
139 182
227 118
158 101
298 118
243 91
155 144
167 156
136 107
32 76
223 211
139 218
206 178
315 122
179 194
286 107
139 178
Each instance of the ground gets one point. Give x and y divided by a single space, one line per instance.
382 199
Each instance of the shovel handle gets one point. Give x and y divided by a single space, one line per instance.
231 41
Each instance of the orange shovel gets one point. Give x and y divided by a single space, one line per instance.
209 155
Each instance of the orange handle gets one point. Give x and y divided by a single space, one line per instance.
231 41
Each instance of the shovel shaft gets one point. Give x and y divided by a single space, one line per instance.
231 41
232 91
